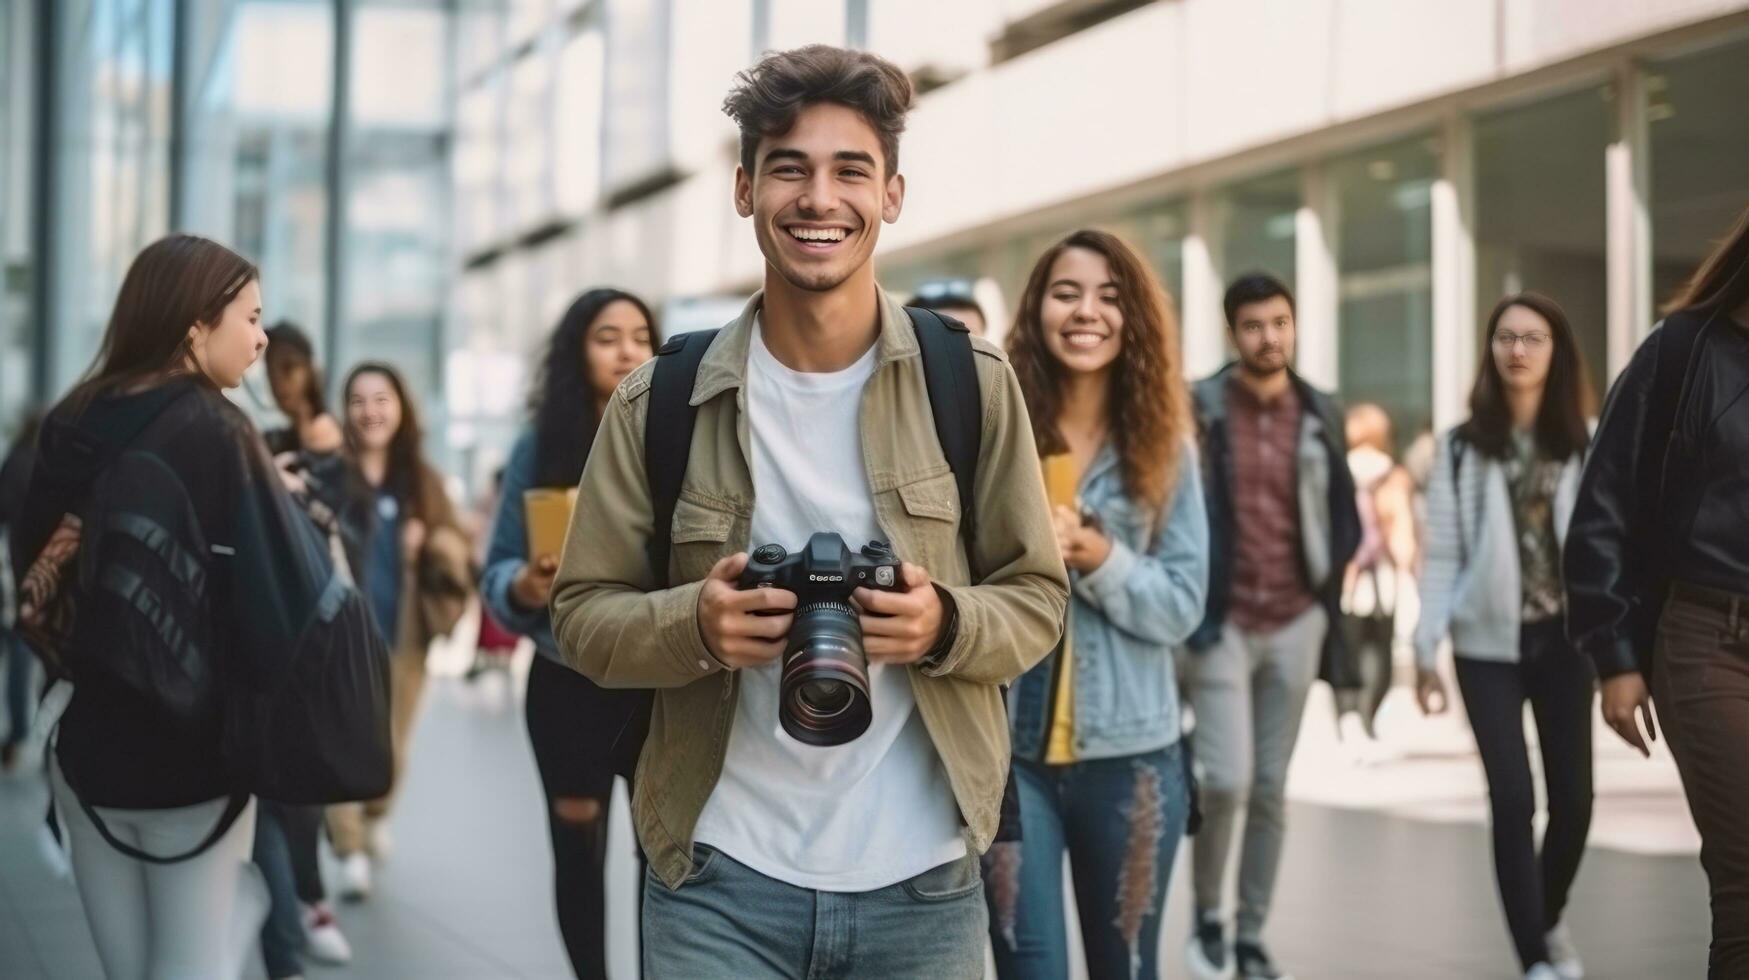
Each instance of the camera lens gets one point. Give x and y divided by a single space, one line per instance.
823 695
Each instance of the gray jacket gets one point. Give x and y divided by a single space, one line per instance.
1470 587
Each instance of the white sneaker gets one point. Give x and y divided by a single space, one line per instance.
381 842
1562 954
1542 971
326 943
355 877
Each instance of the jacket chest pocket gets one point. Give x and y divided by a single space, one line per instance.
925 526
701 536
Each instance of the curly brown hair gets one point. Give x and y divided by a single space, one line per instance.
1150 406
768 96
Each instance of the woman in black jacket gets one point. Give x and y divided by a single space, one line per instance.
140 765
1657 566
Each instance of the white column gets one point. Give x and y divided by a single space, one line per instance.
1203 325
1629 244
1455 330
1315 228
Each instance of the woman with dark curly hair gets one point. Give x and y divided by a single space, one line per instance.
583 735
1098 763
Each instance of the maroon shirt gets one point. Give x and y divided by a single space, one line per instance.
1269 579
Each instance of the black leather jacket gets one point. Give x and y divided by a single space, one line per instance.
1665 496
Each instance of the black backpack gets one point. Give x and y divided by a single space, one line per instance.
302 691
949 373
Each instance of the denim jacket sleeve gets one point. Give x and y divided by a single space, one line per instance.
1158 596
509 548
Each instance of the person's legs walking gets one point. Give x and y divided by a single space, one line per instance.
1287 664
1494 700
577 780
1219 688
1376 669
282 935
1126 818
18 692
207 911
1701 684
112 886
1220 695
1562 685
303 835
1023 882
406 685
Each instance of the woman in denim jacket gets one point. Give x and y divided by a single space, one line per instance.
1095 725
583 735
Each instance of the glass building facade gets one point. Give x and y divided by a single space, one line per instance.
125 120
430 182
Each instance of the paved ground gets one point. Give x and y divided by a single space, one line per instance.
1394 883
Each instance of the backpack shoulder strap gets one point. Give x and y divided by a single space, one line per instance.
668 437
951 376
1455 449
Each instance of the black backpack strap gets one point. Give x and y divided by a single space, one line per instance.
951 375
234 807
1455 448
668 437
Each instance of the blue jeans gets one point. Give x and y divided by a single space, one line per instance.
18 657
282 935
727 920
1120 821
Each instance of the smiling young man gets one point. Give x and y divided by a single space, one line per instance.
769 857
1282 527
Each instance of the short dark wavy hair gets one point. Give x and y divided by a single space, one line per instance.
767 97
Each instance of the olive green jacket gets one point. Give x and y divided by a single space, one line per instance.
610 625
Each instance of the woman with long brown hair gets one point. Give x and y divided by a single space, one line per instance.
415 571
1657 565
1098 761
1498 512
160 834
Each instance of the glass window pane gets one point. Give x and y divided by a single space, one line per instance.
1382 208
1700 157
1540 212
1160 231
1256 222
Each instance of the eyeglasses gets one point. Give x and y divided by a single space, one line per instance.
1533 342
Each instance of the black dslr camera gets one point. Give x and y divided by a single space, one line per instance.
823 696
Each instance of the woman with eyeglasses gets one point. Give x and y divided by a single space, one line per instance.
1503 489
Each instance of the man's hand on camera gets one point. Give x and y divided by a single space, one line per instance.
729 619
901 627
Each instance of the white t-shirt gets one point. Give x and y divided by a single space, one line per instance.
873 811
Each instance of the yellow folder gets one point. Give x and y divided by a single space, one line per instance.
548 514
1062 482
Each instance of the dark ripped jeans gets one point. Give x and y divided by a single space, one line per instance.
1120 821
581 740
